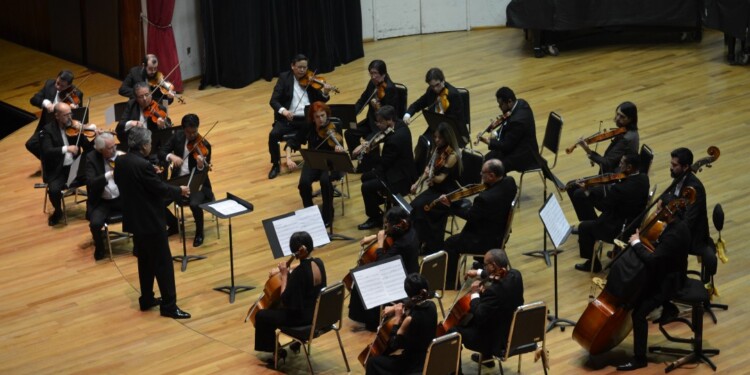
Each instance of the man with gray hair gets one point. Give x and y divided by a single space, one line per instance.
103 193
143 194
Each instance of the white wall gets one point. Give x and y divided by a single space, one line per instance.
186 25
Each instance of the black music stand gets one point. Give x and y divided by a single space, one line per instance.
548 175
227 209
553 217
330 161
433 121
198 178
346 113
161 136
78 114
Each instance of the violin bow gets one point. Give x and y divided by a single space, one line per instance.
368 99
204 136
85 112
596 146
164 78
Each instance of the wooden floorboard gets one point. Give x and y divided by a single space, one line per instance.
64 313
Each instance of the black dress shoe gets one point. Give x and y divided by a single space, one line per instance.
274 172
668 313
150 305
586 266
198 240
369 224
488 364
282 358
632 365
54 219
99 255
574 230
175 314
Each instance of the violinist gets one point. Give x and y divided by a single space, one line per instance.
379 91
397 238
60 89
624 200
147 72
626 116
514 141
142 111
486 220
289 99
412 331
299 291
494 299
440 97
103 193
394 172
59 150
321 134
666 269
184 153
440 176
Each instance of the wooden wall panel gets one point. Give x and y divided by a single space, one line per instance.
27 23
131 35
66 30
102 36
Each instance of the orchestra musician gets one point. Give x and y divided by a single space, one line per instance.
103 193
440 97
494 299
316 136
146 72
441 177
141 111
397 238
60 89
395 168
514 141
143 194
299 291
58 153
413 331
666 269
288 101
380 91
626 116
486 220
184 155
624 201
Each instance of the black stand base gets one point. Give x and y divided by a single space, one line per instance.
709 309
543 254
185 259
232 290
554 321
690 356
333 236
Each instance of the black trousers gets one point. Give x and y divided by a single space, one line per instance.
155 261
454 246
306 178
584 205
372 194
591 231
430 225
266 323
98 216
357 312
392 365
279 130
56 186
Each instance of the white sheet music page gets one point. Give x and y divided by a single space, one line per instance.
284 228
228 207
381 284
311 221
555 221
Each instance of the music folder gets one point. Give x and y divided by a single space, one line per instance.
380 282
196 184
346 113
280 228
434 119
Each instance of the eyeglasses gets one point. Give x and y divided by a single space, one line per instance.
435 85
144 96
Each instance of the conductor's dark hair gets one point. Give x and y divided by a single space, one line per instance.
378 65
299 57
434 74
299 239
414 284
66 75
684 156
191 121
505 94
387 112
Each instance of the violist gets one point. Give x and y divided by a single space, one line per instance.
142 111
146 72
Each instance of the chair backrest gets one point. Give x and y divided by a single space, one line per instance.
328 309
422 153
466 99
651 194
403 95
443 355
472 161
119 109
509 223
527 329
552 135
433 269
647 158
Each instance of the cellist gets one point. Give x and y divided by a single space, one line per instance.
494 299
299 291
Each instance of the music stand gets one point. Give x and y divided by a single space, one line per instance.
161 136
78 114
346 113
433 121
198 178
330 161
548 175
227 209
559 230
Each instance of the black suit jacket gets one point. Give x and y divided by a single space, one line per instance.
176 145
493 313
390 98
623 202
397 160
133 112
487 218
95 180
48 91
406 245
283 93
138 74
52 156
429 100
667 265
143 194
696 214
517 141
620 145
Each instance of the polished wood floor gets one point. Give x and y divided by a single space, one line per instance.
64 313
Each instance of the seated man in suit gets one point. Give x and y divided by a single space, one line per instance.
103 193
142 111
147 72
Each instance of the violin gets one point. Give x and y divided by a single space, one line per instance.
317 82
71 97
328 133
602 179
271 295
436 163
459 193
598 137
498 122
154 112
74 128
159 82
442 101
376 140
198 149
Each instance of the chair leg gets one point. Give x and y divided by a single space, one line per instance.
307 348
343 353
105 229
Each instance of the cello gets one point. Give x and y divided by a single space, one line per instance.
271 295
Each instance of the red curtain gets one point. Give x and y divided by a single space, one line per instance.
161 39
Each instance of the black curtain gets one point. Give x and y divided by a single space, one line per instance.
248 40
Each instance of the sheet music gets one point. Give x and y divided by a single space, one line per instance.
228 207
382 283
284 228
109 115
308 220
555 221
73 173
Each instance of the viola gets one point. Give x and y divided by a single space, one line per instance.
376 140
329 133
271 296
497 122
75 127
317 82
602 179
437 161
598 137
198 149
459 193
71 97
442 101
154 112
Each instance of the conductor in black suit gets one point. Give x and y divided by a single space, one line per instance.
288 101
486 221
143 194
103 193
60 89
514 142
145 72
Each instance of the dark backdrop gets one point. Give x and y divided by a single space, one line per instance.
249 40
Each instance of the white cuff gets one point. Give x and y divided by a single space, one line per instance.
108 175
45 103
406 117
636 242
64 149
474 295
281 110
